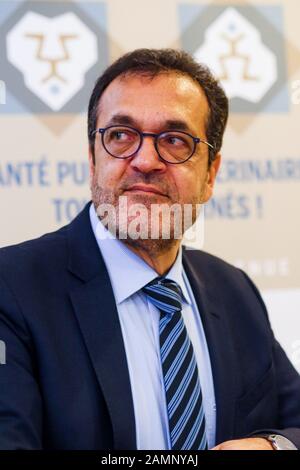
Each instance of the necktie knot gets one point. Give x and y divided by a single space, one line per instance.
165 294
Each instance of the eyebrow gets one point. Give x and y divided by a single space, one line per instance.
121 119
169 124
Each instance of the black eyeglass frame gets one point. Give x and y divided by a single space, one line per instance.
196 140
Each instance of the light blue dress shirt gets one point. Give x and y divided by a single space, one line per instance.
139 321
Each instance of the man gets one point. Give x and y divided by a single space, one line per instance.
133 342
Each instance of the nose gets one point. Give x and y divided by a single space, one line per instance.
147 159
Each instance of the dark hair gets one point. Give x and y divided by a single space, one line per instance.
154 61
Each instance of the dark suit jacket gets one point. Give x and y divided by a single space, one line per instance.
65 384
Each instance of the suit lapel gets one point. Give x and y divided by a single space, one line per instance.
96 312
218 337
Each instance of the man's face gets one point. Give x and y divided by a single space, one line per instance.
152 105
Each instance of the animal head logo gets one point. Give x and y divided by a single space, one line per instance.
234 50
53 55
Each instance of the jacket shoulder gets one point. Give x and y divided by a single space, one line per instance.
218 274
25 256
207 263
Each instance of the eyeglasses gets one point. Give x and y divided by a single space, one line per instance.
172 146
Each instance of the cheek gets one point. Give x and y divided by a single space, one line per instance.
188 184
108 171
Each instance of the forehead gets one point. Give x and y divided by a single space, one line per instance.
153 100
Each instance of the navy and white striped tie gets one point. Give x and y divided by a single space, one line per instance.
180 371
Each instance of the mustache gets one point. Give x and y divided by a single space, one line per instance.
154 180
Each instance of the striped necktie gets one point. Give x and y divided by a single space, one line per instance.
180 371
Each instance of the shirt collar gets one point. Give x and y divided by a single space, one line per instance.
127 271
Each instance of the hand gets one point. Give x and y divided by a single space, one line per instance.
251 443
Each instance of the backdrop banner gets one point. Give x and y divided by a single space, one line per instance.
50 56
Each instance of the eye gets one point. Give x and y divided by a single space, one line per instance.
174 140
119 135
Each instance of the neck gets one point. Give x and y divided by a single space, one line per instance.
160 260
